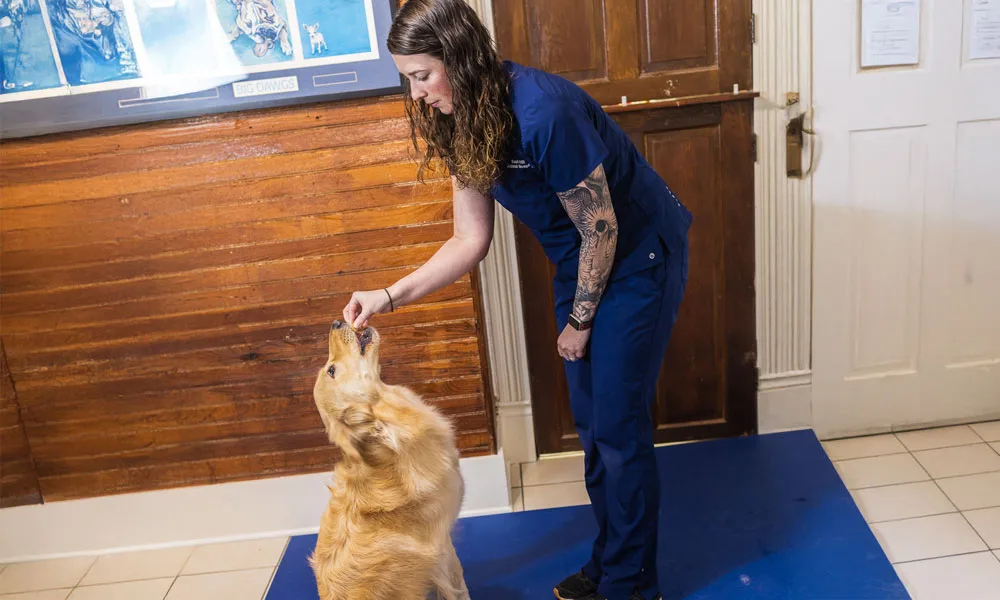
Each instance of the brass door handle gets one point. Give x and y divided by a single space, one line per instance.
795 132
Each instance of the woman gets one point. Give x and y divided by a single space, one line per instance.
546 151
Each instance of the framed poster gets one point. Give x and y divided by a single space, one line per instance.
78 64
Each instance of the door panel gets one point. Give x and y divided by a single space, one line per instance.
574 47
698 340
677 35
707 385
642 49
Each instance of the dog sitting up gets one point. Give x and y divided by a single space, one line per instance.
397 490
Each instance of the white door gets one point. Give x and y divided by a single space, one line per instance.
906 310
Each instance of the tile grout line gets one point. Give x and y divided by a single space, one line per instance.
84 576
885 485
920 560
842 460
274 571
937 514
170 587
994 448
186 561
240 570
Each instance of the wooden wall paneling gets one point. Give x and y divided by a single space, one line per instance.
18 479
168 289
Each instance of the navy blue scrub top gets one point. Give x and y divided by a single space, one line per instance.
561 135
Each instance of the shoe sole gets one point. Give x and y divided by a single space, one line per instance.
555 591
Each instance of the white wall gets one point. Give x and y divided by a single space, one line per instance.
203 514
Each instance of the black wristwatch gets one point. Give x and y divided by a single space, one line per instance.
579 325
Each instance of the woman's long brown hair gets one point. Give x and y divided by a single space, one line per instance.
474 140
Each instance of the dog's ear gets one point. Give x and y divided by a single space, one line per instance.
354 433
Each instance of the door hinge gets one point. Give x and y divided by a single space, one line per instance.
753 28
754 142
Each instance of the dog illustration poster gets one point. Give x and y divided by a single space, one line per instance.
75 64
334 27
259 30
183 47
93 40
26 59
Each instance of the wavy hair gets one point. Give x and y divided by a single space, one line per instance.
473 141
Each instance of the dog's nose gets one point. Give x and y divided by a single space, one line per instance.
365 338
337 324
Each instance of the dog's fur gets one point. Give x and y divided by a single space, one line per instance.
397 491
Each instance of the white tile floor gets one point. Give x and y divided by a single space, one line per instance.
231 571
931 497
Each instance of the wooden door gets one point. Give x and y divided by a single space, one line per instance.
700 141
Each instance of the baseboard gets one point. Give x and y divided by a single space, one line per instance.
785 407
203 514
516 432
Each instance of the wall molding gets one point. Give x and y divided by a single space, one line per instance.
500 280
782 60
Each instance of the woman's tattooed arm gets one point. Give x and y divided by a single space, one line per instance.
589 206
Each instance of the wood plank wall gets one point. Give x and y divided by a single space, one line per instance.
167 290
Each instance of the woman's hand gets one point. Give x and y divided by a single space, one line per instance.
365 304
572 344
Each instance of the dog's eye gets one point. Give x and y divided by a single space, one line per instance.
332 371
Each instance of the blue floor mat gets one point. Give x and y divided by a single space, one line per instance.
762 517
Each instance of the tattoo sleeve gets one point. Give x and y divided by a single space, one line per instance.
589 206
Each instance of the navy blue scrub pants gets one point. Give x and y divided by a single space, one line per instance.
611 391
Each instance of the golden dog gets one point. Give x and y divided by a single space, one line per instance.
397 491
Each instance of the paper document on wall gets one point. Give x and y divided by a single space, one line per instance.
890 32
984 29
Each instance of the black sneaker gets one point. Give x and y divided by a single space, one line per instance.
576 587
